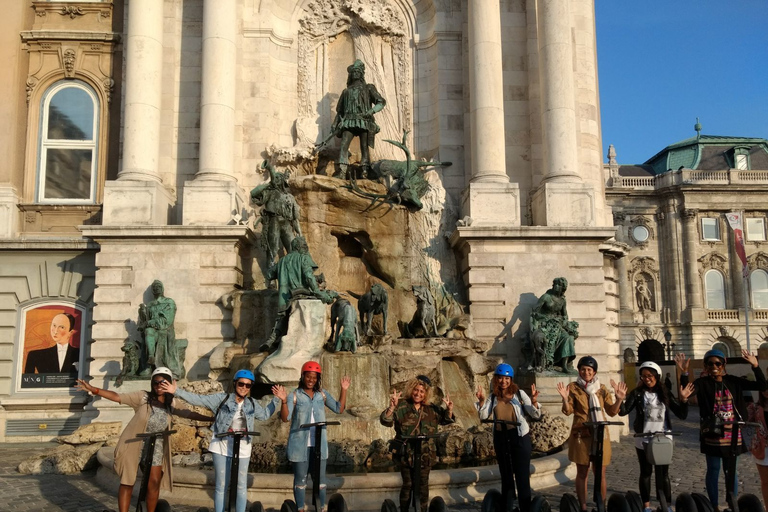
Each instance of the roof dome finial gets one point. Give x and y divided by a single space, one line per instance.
697 127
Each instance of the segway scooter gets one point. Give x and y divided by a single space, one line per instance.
494 500
234 472
436 504
146 465
659 453
336 502
616 502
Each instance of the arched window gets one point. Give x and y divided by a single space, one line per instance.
715 286
67 157
758 282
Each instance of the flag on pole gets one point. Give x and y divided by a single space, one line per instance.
736 223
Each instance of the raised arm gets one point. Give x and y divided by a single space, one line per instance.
81 385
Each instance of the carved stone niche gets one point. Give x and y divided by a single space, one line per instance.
643 273
641 231
332 34
713 260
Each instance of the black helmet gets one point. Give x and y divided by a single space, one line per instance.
588 361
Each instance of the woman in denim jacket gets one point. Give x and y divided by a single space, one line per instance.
308 402
234 411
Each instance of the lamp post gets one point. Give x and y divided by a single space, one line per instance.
670 347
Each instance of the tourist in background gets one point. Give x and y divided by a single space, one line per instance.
758 413
509 402
588 400
414 416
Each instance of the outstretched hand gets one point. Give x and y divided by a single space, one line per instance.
534 394
280 392
682 362
448 403
81 385
345 382
394 398
167 387
563 390
686 391
620 389
751 358
480 395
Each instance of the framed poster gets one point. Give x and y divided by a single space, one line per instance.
51 335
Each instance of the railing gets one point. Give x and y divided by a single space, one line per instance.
760 314
723 314
690 177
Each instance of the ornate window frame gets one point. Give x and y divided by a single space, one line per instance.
641 221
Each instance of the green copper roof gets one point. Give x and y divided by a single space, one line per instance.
687 153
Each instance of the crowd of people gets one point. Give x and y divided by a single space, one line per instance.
720 399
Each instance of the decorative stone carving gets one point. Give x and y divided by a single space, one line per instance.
109 87
641 231
68 57
758 260
689 213
619 217
723 331
646 333
31 84
629 356
71 11
644 292
644 264
713 260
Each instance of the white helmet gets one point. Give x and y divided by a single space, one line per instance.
652 366
162 370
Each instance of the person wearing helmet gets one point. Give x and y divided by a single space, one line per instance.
152 413
721 397
233 411
652 403
306 404
415 416
588 400
758 413
509 402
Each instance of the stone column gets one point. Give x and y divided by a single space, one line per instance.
138 197
625 289
692 277
490 198
562 199
214 195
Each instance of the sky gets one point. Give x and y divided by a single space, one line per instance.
663 63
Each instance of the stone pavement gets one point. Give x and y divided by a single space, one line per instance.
80 493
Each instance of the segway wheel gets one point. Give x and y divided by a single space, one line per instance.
702 502
685 503
492 502
750 503
337 503
634 500
569 503
540 504
617 503
256 507
289 506
163 506
142 506
437 504
388 506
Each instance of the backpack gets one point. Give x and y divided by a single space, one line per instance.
216 415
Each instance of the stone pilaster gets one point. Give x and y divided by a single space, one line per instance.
9 213
143 201
695 303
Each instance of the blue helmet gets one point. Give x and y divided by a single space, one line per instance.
244 374
714 353
504 370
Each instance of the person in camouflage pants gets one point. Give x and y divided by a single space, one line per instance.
415 416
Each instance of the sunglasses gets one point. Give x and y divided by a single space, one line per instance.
158 382
246 385
717 364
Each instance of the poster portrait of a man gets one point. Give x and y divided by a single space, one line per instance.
51 349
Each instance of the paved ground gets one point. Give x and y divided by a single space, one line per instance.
80 493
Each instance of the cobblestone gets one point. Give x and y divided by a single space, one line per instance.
79 493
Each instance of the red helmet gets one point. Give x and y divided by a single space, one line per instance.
311 366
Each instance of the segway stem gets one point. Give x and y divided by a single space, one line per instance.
149 453
596 455
416 441
505 427
234 467
319 426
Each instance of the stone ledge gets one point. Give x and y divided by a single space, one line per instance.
543 233
167 232
361 491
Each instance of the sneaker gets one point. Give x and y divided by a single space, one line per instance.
648 509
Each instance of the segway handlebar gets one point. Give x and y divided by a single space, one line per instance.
503 422
742 423
421 437
598 423
163 433
235 433
320 424
658 433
